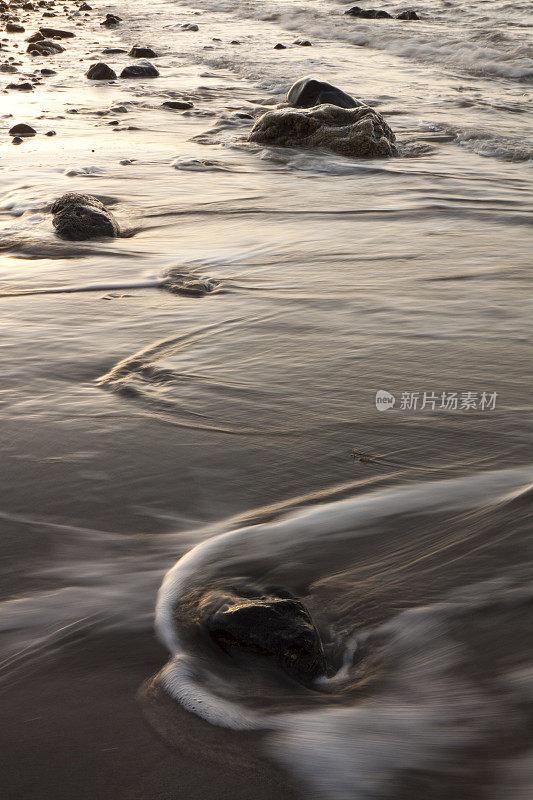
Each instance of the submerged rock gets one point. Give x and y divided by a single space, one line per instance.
308 92
44 47
408 15
82 216
352 132
180 105
101 72
22 130
54 33
145 70
368 13
111 20
142 52
278 627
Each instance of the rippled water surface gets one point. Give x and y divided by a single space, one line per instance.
138 423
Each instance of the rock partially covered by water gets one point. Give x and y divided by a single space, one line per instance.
142 70
45 47
308 92
352 132
278 627
137 51
409 15
101 72
82 216
368 13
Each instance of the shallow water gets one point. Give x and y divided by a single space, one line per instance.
137 423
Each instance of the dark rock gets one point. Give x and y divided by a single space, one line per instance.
142 52
45 48
36 37
308 92
303 42
145 70
13 27
9 68
111 20
101 72
181 105
189 26
280 46
20 87
22 130
17 140
81 216
46 71
50 133
408 15
367 13
277 627
86 7
111 51
352 132
53 33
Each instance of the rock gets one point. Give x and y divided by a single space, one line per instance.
50 133
181 105
308 92
352 132
145 70
367 13
13 27
22 130
111 51
303 42
53 33
17 140
408 15
47 71
142 52
189 26
101 72
111 20
86 7
81 216
45 48
277 627
280 46
20 87
36 37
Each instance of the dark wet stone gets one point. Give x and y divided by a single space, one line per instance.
101 72
352 132
50 133
189 26
8 68
180 105
86 7
14 27
368 13
308 92
46 47
20 87
145 70
82 216
111 20
142 52
17 140
36 37
409 15
303 42
280 46
111 51
54 33
277 627
47 71
22 130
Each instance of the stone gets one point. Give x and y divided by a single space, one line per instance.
111 20
20 87
308 92
36 37
189 26
409 15
142 52
101 72
180 105
14 27
276 627
17 140
22 130
86 7
352 132
280 46
45 48
53 33
82 216
111 51
145 70
368 13
303 42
